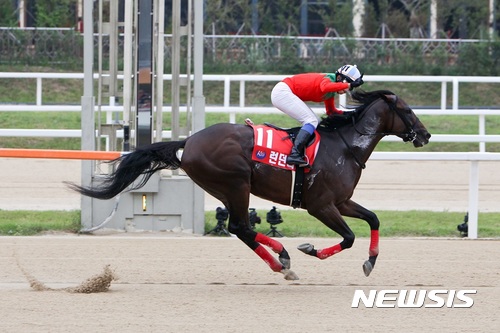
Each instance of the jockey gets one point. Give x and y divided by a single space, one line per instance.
291 94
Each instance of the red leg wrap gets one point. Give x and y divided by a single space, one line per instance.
329 251
268 258
276 246
373 243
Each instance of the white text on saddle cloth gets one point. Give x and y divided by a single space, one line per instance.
271 151
277 158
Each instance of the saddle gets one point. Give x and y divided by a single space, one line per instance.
272 145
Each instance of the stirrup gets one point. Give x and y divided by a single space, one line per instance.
302 163
291 160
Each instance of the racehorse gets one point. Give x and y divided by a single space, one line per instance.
218 159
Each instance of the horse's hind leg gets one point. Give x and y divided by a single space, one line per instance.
254 240
240 226
352 209
276 246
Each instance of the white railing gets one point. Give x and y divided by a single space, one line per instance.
243 107
225 106
474 158
242 79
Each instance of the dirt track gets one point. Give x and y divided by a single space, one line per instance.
176 284
179 283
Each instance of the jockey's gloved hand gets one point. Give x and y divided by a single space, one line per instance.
348 114
343 115
356 83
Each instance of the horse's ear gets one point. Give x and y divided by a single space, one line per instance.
390 98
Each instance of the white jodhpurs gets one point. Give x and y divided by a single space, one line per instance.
284 99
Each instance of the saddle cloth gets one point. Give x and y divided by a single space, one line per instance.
272 146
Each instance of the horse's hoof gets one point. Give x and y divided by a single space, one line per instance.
284 259
367 268
285 262
289 275
306 248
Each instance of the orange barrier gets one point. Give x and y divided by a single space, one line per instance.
60 154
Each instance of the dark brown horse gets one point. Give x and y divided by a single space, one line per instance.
218 159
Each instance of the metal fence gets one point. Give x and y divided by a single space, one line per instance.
37 46
268 47
40 46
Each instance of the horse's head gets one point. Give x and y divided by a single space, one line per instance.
380 113
406 124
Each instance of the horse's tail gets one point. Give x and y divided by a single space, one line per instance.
143 161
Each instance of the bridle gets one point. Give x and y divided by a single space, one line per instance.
409 136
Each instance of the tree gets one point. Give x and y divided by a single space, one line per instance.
419 13
224 16
55 13
463 18
337 14
7 14
280 17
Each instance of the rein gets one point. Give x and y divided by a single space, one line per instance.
409 136
362 165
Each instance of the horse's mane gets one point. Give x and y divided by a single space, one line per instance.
362 99
365 98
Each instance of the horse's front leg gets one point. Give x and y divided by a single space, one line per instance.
331 217
352 209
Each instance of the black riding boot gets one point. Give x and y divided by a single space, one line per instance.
296 157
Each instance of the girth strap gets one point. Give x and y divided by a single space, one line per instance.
297 182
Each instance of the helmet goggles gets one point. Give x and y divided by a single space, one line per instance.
348 73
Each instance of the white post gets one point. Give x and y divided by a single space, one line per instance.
443 95
198 120
38 91
455 94
88 117
242 93
227 95
482 131
109 114
127 64
176 60
160 44
473 199
358 11
22 13
491 20
433 20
